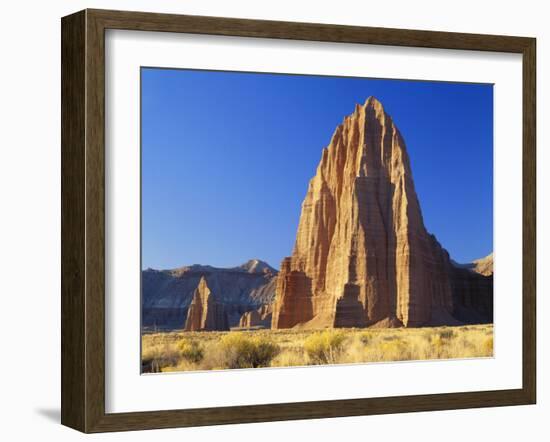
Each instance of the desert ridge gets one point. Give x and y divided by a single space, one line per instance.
167 295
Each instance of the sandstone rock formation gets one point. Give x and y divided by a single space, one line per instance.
484 266
205 313
260 318
249 319
167 294
362 254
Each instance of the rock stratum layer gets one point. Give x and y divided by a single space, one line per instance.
167 294
362 254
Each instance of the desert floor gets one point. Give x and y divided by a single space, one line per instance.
183 351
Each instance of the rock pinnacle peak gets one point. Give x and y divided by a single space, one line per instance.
373 102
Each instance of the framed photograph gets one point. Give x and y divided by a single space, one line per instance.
266 220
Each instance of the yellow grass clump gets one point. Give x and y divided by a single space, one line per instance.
325 347
184 351
241 350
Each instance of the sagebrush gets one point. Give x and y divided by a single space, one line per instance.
183 351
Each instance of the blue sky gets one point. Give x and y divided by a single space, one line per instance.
226 159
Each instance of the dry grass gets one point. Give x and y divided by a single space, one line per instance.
183 351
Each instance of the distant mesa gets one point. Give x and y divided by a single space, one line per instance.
251 266
167 294
362 254
484 266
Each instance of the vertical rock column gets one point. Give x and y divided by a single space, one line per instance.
205 313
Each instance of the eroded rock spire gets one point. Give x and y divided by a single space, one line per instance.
205 313
362 253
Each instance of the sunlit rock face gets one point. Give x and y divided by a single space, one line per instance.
362 253
205 313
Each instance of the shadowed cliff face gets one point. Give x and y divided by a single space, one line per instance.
362 253
167 294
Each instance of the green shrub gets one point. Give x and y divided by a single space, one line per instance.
241 351
190 350
324 347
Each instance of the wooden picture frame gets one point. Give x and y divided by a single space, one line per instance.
83 220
